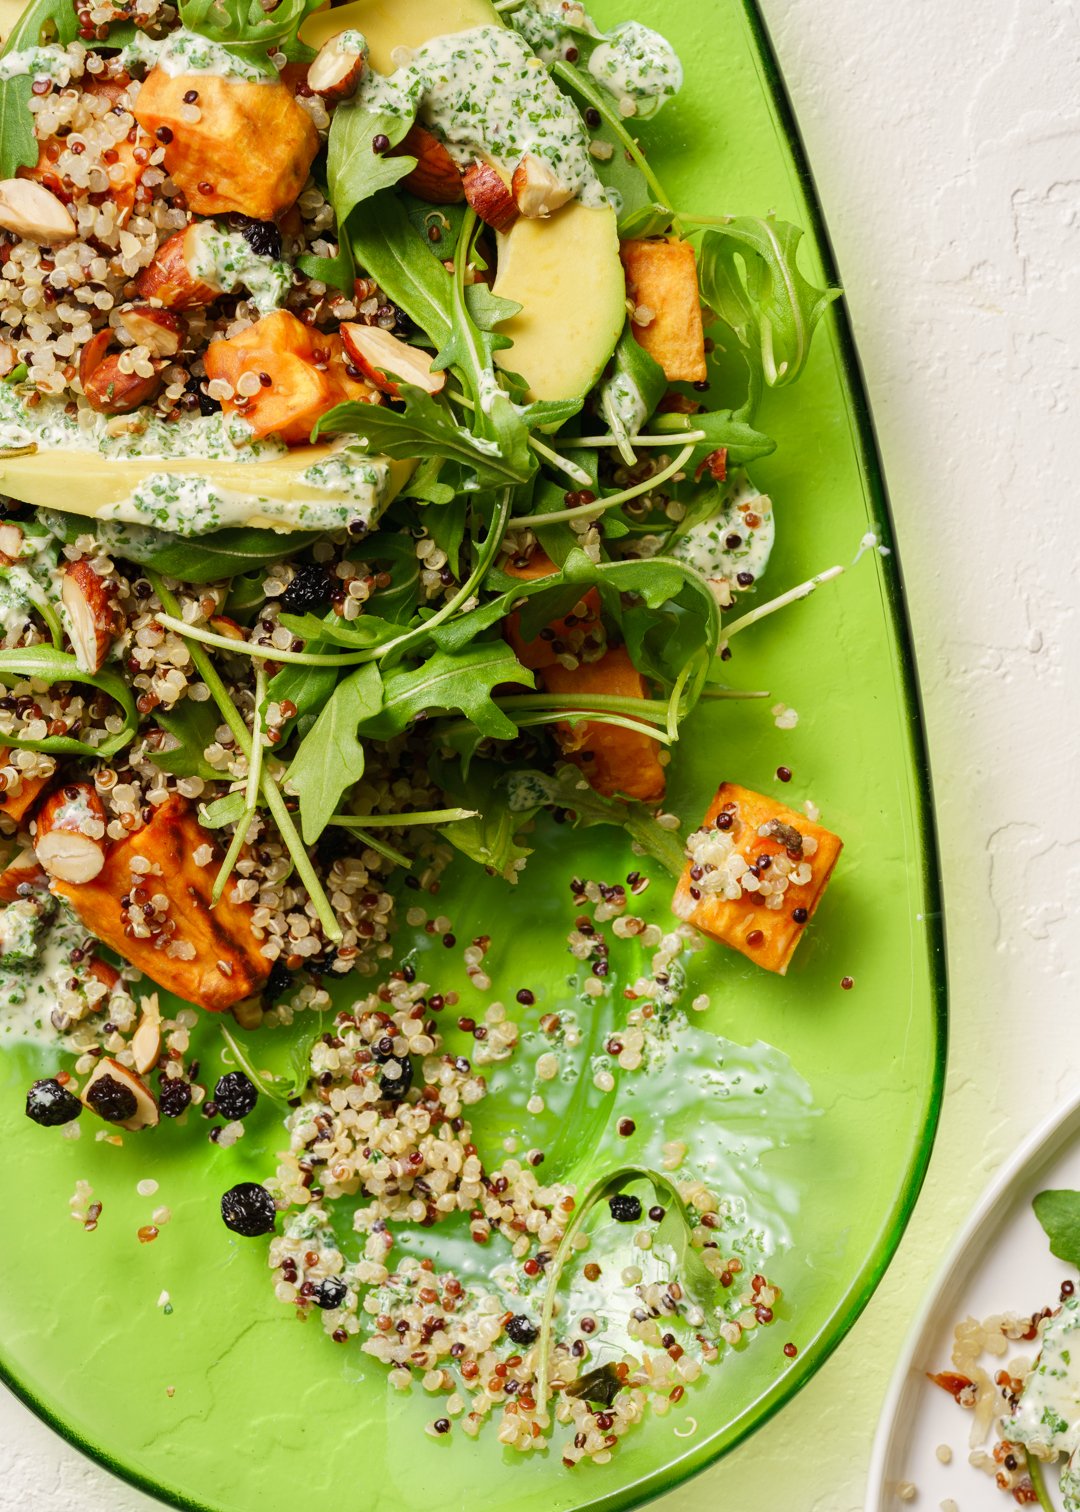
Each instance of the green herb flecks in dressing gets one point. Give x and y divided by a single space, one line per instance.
53 62
35 967
186 52
632 62
487 96
226 260
1047 1419
738 538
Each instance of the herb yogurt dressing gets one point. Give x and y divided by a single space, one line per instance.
486 95
737 539
1047 1419
631 62
226 260
35 967
180 52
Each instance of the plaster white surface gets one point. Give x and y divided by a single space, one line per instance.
946 143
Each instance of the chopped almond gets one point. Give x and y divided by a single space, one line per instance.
614 760
662 281
436 177
11 542
117 1095
208 956
30 211
94 621
160 331
488 194
146 1041
567 634
69 838
169 279
756 873
250 150
382 358
538 192
337 69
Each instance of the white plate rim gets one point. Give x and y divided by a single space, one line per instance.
962 1257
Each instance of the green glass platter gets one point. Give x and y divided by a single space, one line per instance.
222 1401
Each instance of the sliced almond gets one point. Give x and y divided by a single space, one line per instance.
169 278
111 391
146 1041
33 212
436 177
69 837
9 358
94 622
489 196
384 358
160 331
337 68
110 1091
537 189
11 541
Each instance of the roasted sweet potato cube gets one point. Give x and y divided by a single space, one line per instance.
299 392
612 759
755 874
568 633
121 166
211 956
661 277
250 150
348 386
17 805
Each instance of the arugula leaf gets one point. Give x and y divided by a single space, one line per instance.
632 392
724 429
193 725
750 277
354 170
219 555
43 21
1059 1214
331 758
491 836
246 27
647 220
229 809
387 244
424 485
446 526
338 272
358 634
426 429
48 665
451 683
567 789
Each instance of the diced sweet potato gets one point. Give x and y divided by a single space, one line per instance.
307 372
661 277
613 760
249 151
123 169
568 633
17 805
212 957
755 874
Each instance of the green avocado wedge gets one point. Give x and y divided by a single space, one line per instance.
390 24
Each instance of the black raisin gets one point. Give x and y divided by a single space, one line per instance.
278 983
235 1095
263 237
330 1293
522 1330
625 1209
111 1100
207 406
310 589
395 1088
174 1096
248 1209
50 1104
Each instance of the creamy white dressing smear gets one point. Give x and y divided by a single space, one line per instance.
631 62
737 539
1047 1418
226 260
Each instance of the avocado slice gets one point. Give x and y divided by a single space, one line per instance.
388 24
86 483
566 275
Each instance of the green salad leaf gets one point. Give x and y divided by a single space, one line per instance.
491 837
460 683
48 665
567 790
193 725
386 243
247 27
750 276
211 559
354 170
331 757
1059 1214
631 393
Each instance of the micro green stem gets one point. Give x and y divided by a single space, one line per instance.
255 762
603 103
575 443
1038 1483
232 855
647 709
270 790
575 473
793 595
593 511
675 699
401 821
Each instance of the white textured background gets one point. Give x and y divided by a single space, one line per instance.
945 139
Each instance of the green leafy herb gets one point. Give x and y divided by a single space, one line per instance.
246 27
193 725
222 554
647 220
724 430
50 666
632 392
331 758
600 1386
1059 1214
229 809
463 682
338 271
387 244
490 836
567 789
41 23
354 170
750 277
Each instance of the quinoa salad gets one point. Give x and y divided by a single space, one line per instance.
377 441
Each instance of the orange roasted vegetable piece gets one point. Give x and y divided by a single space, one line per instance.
727 892
208 956
249 151
17 805
306 369
123 170
661 276
566 634
613 760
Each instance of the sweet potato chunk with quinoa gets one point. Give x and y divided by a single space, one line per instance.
661 279
755 874
306 371
151 904
568 634
19 796
249 150
613 760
